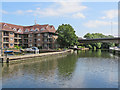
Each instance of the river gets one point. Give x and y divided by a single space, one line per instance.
81 69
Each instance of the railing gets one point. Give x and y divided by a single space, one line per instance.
18 38
16 42
115 48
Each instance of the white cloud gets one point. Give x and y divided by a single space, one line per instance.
98 23
3 12
29 11
110 14
19 12
78 15
57 9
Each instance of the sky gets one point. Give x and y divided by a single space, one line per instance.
84 17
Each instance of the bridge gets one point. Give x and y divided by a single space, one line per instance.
106 40
114 40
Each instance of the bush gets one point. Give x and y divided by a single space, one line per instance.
17 47
81 46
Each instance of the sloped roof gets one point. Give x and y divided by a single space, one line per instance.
9 27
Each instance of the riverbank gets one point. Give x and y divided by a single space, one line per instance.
26 57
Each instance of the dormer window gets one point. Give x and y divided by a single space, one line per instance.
19 30
5 24
47 26
42 29
26 30
31 30
14 29
51 27
36 29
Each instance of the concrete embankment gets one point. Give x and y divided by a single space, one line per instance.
25 57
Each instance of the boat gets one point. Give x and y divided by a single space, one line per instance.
8 51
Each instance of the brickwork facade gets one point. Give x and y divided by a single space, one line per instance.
43 36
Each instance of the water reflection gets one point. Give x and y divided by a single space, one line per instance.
81 69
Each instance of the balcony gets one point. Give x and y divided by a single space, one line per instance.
6 36
25 37
25 42
16 42
6 41
17 38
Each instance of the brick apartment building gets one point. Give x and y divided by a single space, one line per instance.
27 36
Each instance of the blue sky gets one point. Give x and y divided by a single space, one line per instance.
92 17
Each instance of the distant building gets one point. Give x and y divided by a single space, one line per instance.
28 36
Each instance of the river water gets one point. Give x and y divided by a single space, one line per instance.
81 69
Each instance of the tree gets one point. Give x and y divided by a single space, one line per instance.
98 45
66 36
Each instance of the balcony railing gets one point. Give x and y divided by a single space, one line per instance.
18 38
6 36
16 42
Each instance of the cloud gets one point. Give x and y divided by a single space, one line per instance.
98 23
60 8
78 15
110 14
3 12
29 11
19 12
57 9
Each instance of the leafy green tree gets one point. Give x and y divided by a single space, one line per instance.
66 36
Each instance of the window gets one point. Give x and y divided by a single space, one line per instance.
11 39
11 33
45 45
38 39
26 30
30 35
30 40
14 29
30 45
38 34
11 44
31 30
4 24
45 34
19 30
36 29
38 44
45 40
42 29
